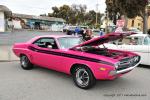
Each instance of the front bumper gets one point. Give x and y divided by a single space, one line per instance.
115 72
124 66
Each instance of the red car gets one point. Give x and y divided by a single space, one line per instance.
85 61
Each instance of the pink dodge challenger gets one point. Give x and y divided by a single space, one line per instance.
85 61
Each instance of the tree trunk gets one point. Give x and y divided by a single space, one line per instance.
115 19
126 23
145 24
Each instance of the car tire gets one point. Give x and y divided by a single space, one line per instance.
25 63
83 77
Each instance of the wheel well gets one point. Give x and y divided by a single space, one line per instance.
29 58
22 55
74 66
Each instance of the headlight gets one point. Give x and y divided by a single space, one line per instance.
116 64
136 58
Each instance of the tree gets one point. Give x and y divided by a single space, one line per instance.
43 15
91 17
129 8
79 12
55 11
75 14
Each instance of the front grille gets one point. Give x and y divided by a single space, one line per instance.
128 62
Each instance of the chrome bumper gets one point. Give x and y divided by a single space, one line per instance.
115 72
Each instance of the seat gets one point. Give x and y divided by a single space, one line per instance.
47 44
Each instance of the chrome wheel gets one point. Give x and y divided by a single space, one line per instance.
24 61
82 77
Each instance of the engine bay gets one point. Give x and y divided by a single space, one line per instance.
101 51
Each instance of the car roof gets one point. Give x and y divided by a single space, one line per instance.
139 35
50 36
56 36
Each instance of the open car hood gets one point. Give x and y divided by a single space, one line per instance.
104 39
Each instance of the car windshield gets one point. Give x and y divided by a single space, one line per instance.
68 42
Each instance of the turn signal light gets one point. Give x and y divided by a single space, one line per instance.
102 69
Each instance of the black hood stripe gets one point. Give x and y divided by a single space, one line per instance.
69 55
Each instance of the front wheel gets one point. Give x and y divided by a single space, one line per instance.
25 63
84 78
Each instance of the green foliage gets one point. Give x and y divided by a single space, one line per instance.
75 14
129 8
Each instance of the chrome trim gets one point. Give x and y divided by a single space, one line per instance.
125 70
128 69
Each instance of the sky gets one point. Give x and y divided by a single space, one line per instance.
37 7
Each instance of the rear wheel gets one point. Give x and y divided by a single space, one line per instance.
25 63
83 77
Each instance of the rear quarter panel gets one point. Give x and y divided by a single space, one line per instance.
21 48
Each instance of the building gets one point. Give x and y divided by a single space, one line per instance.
23 21
137 23
5 14
10 21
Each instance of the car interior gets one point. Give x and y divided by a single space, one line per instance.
46 43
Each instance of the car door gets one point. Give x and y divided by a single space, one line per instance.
45 55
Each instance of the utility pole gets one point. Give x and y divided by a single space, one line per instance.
106 18
96 13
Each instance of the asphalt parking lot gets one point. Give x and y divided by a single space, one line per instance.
44 84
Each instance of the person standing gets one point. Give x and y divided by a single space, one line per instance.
101 33
88 34
77 30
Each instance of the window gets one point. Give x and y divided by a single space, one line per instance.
131 41
132 24
147 41
46 43
68 42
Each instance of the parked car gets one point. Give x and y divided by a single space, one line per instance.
65 28
70 30
136 30
138 43
85 61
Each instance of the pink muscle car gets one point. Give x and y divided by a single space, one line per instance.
85 61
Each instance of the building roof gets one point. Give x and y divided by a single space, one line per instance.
37 17
6 10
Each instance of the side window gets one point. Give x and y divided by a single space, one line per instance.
147 41
130 41
46 43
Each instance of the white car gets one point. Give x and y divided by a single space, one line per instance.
136 30
138 43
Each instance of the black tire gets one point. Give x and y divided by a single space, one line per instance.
25 63
86 82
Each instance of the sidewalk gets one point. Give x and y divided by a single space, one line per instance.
6 54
